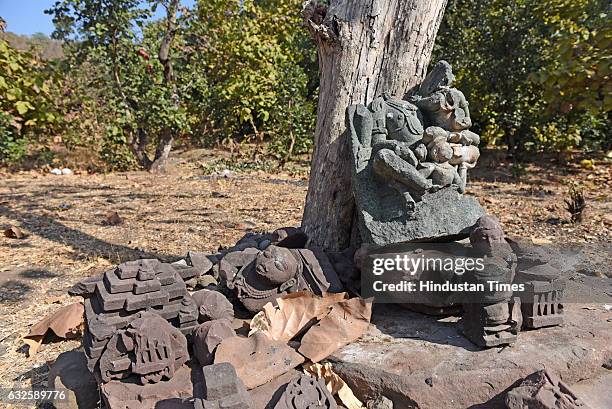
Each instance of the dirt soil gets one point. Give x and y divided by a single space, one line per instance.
68 237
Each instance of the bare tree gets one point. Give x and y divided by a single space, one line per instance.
365 47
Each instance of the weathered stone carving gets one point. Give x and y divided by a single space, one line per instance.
212 305
149 348
410 161
543 390
121 293
306 392
494 318
542 300
223 388
276 271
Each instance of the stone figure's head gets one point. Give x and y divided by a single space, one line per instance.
440 151
275 266
487 236
403 122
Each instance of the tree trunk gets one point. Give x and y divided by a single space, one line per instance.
366 47
166 139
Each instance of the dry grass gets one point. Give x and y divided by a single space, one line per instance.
186 210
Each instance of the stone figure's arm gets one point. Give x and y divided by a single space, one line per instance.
403 151
460 179
360 123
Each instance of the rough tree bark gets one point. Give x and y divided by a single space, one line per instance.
167 134
365 47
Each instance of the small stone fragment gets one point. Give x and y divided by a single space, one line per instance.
543 390
208 336
223 389
112 219
213 305
381 402
14 233
206 281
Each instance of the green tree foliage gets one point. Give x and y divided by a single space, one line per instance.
258 64
241 71
135 103
524 92
27 109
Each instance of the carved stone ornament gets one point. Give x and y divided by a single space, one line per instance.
305 392
149 348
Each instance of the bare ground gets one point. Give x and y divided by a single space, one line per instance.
165 216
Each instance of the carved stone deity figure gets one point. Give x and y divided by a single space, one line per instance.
410 162
493 317
277 271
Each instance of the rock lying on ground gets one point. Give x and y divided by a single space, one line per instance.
543 390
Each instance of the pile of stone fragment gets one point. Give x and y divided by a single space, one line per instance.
182 334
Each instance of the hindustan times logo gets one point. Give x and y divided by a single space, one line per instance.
414 265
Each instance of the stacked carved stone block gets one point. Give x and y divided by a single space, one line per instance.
132 287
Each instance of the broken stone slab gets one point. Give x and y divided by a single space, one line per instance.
257 359
445 215
208 336
70 372
175 393
543 390
423 362
595 391
267 395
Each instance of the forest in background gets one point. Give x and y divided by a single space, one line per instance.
126 87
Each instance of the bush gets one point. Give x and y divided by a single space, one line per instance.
534 71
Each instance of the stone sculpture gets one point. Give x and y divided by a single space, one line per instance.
223 388
116 297
305 392
543 390
277 271
149 348
493 318
410 161
542 300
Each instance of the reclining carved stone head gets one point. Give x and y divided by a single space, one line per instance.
275 266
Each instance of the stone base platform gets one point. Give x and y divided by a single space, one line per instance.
424 362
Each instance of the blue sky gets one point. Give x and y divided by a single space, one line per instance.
28 17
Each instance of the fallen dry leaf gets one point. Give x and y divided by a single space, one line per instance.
257 359
335 385
295 313
347 321
67 323
14 233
